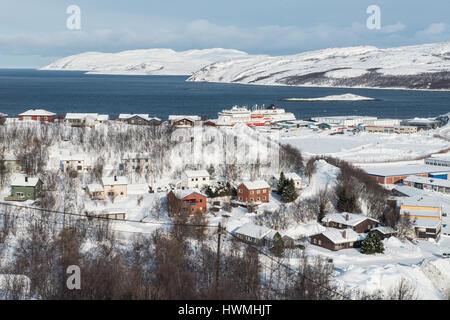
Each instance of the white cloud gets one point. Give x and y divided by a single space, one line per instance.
393 28
434 29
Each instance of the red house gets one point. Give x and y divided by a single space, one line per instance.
186 201
38 115
253 192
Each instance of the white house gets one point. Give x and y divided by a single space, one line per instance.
133 161
115 186
85 119
290 175
75 162
195 179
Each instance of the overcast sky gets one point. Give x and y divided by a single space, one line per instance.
33 33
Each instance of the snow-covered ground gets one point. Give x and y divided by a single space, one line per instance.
362 66
145 62
339 97
364 147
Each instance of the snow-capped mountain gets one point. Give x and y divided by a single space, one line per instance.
145 62
413 67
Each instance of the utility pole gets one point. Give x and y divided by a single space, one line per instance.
219 233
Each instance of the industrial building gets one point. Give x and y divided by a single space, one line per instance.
441 162
391 129
390 174
344 120
434 184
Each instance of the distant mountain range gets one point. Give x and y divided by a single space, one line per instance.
145 62
409 67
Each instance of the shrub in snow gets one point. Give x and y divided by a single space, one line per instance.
372 244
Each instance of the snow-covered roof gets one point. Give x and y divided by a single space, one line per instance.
404 170
384 230
124 116
430 181
292 175
95 187
253 185
2 115
426 223
253 231
37 112
72 116
337 235
103 117
136 155
196 173
114 210
353 219
181 117
181 194
23 181
111 181
408 191
420 201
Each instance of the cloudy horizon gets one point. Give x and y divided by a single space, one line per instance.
35 34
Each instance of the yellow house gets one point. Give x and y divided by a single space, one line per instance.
425 214
115 186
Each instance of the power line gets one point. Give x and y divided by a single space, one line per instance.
286 266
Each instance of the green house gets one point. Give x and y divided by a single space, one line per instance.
25 188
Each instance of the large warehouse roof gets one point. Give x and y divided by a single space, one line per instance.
405 170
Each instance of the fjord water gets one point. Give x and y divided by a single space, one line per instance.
72 91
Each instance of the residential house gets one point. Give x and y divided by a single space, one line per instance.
183 121
290 175
186 201
425 215
37 115
85 119
139 119
109 213
253 192
336 239
115 186
195 179
133 161
384 232
252 233
11 163
95 191
74 162
357 222
25 188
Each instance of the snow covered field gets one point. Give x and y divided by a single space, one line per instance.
364 147
362 66
145 62
339 97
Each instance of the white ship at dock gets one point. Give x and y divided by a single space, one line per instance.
257 116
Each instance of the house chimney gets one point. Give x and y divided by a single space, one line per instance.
26 179
344 234
347 217
115 178
277 228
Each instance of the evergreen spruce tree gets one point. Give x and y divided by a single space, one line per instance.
281 183
289 193
212 171
372 244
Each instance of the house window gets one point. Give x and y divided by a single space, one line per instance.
121 193
264 191
320 242
252 192
251 200
257 199
201 200
264 198
258 191
240 191
204 179
240 198
19 194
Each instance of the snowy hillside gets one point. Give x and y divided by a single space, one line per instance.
145 62
414 67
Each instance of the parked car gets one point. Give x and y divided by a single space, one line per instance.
446 255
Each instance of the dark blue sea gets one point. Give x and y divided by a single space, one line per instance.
71 91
